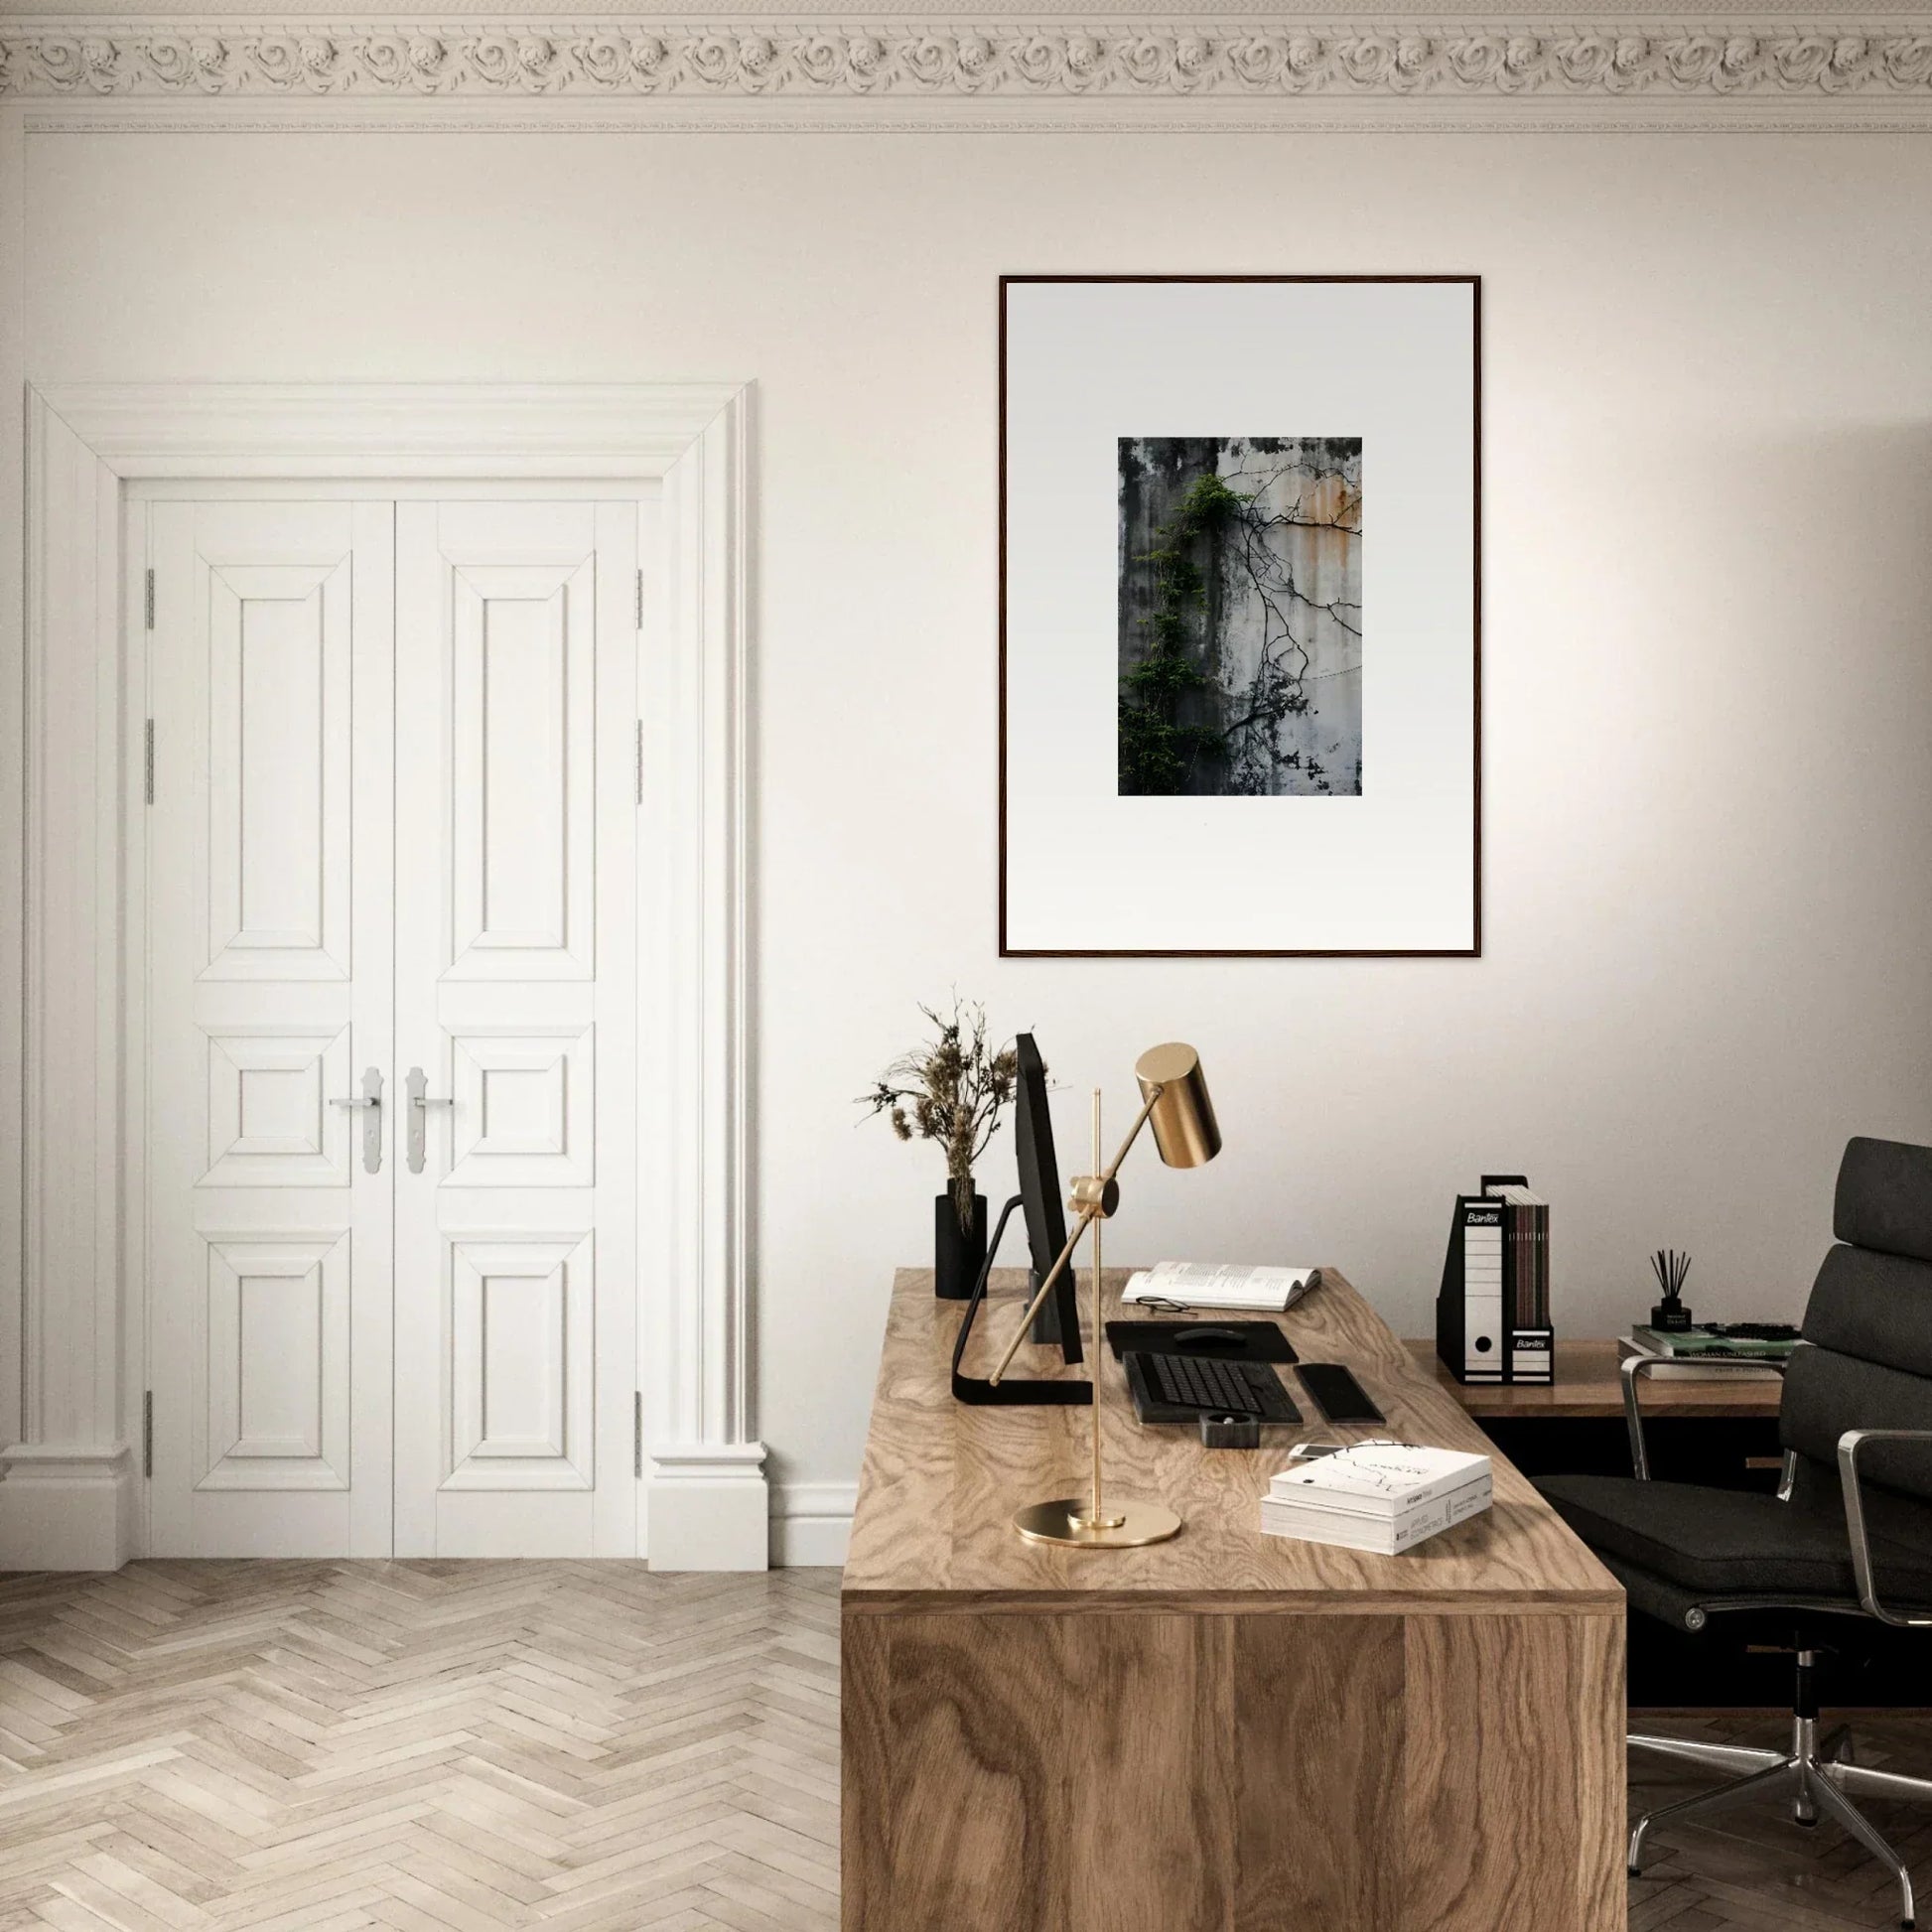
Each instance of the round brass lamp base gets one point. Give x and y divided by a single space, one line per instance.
1129 1526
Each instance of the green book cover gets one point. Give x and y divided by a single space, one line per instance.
1701 1341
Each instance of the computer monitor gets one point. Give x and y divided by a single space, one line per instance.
1038 1200
1039 1196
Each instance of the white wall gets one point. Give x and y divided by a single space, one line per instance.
1707 827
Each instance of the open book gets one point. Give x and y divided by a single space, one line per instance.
1216 1284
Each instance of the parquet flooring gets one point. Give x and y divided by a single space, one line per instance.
587 1747
431 1747
1753 1868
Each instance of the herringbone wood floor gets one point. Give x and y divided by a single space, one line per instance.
460 1748
1753 1866
436 1747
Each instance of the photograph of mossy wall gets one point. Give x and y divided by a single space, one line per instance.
1240 579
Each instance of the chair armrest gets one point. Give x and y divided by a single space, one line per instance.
1635 1366
1849 1445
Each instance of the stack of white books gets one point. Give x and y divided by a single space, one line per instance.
1219 1284
1380 1496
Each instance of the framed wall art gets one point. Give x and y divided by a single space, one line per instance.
1240 615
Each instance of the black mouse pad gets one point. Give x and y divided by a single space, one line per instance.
1224 1341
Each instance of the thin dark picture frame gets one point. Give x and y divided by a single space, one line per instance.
1472 951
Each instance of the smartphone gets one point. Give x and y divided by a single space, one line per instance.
1338 1394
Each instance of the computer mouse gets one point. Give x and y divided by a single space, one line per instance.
1208 1338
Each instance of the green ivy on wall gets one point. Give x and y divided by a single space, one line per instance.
1157 751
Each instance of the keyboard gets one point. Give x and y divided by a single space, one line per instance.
1180 1388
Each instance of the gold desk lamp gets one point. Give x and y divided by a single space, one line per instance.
1175 1101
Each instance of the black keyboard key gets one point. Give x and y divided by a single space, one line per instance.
1210 1386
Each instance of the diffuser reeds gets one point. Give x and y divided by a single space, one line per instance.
1670 1267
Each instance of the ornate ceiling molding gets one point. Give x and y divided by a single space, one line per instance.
1596 69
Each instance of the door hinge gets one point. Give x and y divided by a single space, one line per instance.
147 760
640 760
147 1434
640 598
637 1434
150 599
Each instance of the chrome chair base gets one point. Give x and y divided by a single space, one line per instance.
1817 1775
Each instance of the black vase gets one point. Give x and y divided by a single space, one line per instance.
958 1254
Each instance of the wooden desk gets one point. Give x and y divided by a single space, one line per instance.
1587 1385
1227 1730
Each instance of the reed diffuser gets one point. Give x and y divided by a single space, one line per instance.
1670 1267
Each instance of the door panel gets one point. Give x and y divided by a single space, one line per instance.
279 749
516 982
521 816
278 1363
520 1383
270 1123
526 1104
270 894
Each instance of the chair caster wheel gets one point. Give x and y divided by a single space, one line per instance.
1810 1823
1633 1871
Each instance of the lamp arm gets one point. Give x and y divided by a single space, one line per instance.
1088 1215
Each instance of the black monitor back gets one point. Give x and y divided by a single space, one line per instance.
1040 1193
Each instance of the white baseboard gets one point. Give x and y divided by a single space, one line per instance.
64 1508
709 1507
811 1523
75 1510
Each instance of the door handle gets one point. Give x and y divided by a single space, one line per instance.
420 1102
370 1100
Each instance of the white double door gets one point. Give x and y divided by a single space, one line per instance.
390 859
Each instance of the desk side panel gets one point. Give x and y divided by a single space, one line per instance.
1146 1772
1514 1775
865 1772
1038 1773
1320 1802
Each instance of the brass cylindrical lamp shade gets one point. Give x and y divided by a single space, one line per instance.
1182 1118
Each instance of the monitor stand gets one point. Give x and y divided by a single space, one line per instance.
1012 1390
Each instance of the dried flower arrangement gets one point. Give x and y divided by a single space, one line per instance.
952 1090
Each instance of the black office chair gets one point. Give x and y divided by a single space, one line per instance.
1849 1536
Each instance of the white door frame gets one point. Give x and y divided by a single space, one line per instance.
68 1499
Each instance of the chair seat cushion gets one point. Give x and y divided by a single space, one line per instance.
1727 1542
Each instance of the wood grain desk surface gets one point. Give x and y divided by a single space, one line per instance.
941 1479
1587 1385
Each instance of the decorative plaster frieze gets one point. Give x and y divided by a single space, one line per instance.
1121 61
